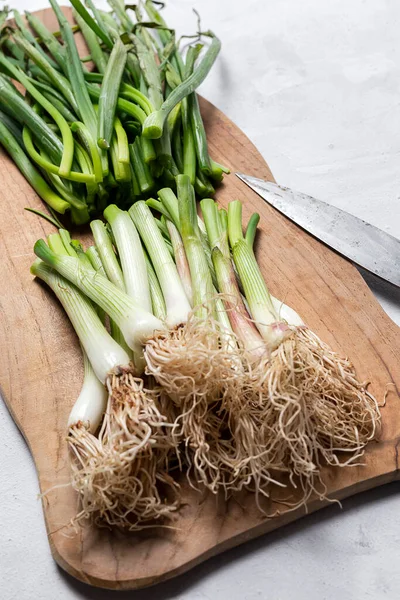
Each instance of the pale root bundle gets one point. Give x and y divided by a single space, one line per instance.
305 409
189 359
121 478
197 368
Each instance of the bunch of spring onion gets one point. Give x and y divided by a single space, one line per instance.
111 127
256 400
120 473
300 405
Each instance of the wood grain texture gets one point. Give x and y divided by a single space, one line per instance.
41 373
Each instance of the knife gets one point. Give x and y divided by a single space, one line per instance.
362 243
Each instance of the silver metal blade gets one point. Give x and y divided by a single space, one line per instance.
361 242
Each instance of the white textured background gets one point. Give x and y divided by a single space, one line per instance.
316 85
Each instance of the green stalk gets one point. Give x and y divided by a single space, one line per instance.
142 172
103 352
76 249
119 9
64 188
8 141
174 118
91 39
150 71
68 195
86 166
185 150
189 153
133 68
93 77
65 238
153 126
95 260
109 94
199 135
56 99
158 206
56 244
58 80
90 145
163 148
171 204
75 72
203 186
51 219
123 106
131 255
217 170
181 262
177 148
155 16
12 126
134 183
116 333
256 291
174 169
122 171
47 38
251 229
49 166
157 299
136 324
176 302
147 150
137 97
15 52
236 311
8 83
106 251
68 141
15 105
122 139
162 226
203 289
98 27
29 37
217 237
151 74
105 20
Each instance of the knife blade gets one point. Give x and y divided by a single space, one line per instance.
362 243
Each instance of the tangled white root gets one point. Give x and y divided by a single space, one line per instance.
259 426
197 372
304 409
121 477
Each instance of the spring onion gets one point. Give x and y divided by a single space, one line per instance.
9 142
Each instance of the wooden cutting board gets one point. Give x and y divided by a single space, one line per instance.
41 373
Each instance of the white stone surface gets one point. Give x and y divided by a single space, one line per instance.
316 85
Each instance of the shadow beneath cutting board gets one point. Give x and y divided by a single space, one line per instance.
181 584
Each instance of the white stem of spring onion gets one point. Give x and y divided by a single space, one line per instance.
176 301
130 253
136 324
103 352
267 319
106 251
181 262
91 402
286 313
